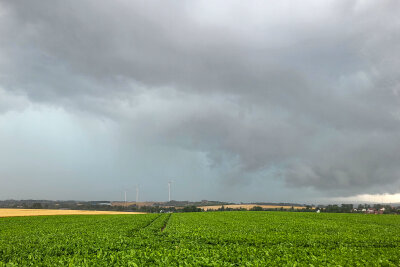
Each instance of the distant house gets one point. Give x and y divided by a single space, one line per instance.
104 204
381 210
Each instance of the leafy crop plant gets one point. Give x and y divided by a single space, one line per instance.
202 239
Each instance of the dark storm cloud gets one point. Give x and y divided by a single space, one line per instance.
310 91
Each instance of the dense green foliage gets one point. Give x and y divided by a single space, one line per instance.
201 238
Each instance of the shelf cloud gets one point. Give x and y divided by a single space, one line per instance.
300 99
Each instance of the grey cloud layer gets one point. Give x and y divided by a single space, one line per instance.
309 91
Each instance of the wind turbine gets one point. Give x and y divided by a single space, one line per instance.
137 193
169 190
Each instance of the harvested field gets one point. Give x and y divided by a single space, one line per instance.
41 212
248 206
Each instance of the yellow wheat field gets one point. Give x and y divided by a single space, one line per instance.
247 206
42 212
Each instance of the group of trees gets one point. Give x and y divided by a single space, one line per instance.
344 208
350 208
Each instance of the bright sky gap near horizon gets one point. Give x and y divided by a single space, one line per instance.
242 101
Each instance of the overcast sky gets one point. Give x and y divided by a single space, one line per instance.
284 101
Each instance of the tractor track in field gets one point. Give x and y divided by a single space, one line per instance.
133 231
158 224
166 222
151 222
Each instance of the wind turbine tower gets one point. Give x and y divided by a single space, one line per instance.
137 193
169 190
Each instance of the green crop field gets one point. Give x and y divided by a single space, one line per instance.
206 239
